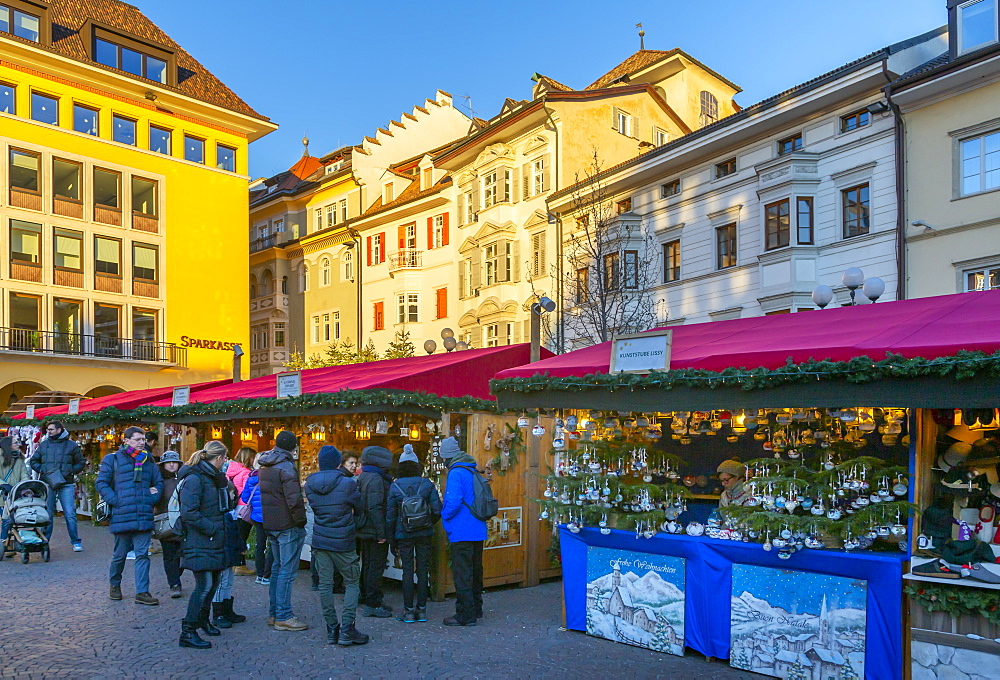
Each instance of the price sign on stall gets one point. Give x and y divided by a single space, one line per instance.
181 396
641 352
289 384
74 407
29 412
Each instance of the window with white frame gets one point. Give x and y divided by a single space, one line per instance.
378 252
660 136
499 259
983 278
316 329
279 226
319 219
490 189
977 24
410 236
324 272
279 333
538 176
304 278
438 231
348 260
496 334
622 122
331 214
336 325
492 333
408 308
326 328
709 108
343 210
470 207
980 165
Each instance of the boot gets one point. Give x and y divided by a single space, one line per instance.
205 623
409 616
232 616
421 614
350 636
190 637
219 615
332 634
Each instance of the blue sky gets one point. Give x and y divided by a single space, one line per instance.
336 71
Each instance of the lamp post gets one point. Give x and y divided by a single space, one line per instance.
852 279
543 305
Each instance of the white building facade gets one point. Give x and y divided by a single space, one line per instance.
751 213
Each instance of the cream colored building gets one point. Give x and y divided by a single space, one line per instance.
950 108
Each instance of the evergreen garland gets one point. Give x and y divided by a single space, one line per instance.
265 406
961 366
956 601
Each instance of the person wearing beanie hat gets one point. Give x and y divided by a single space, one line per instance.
408 455
732 474
170 463
373 536
466 534
335 502
411 523
284 515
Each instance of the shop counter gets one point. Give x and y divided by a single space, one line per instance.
708 596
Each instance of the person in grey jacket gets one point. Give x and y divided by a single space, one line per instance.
58 461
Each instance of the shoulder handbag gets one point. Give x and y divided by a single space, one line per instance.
243 512
102 511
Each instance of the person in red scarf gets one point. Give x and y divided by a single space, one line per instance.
131 484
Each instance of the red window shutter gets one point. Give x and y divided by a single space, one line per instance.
381 255
430 233
379 318
402 237
444 230
442 303
369 245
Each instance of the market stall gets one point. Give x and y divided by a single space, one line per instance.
416 401
826 421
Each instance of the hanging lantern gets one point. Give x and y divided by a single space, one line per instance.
414 433
216 433
363 433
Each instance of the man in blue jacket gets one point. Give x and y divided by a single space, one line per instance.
131 484
58 461
336 504
466 534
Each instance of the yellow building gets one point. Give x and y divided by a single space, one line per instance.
122 204
951 159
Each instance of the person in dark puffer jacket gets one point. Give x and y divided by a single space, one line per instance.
58 460
284 521
130 483
336 503
204 500
373 537
170 465
417 543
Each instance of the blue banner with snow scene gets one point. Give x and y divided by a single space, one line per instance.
636 598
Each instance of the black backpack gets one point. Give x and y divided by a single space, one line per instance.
414 510
484 504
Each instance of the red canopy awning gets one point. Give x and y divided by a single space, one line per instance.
122 400
452 374
926 327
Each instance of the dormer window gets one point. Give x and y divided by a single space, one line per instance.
132 56
977 24
23 19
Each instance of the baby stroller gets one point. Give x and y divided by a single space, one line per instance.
25 505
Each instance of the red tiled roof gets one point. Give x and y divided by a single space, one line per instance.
194 80
555 84
636 62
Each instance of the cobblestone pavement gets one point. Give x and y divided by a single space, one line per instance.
57 621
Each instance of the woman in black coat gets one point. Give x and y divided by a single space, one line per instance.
204 501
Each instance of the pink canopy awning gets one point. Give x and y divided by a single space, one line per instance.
452 374
122 400
925 327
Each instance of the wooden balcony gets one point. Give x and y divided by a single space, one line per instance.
68 277
145 288
106 215
25 271
67 207
27 199
144 222
108 283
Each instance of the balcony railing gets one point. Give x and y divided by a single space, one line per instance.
407 258
263 243
100 346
